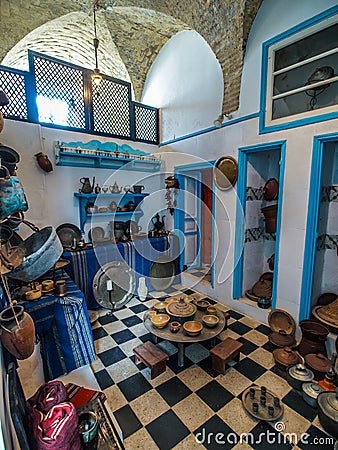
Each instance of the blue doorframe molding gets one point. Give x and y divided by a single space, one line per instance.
240 213
264 70
312 223
178 216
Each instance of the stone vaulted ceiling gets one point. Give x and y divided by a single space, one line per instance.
131 35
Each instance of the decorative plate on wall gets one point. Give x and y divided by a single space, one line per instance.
226 172
121 279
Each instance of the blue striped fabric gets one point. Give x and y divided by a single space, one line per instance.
63 327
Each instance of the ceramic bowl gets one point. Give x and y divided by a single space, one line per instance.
202 305
211 310
160 320
210 320
160 307
192 327
175 327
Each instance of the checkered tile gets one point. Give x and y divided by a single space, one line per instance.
186 408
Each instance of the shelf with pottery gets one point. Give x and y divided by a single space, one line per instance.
105 155
85 199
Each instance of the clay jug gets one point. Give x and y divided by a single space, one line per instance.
17 331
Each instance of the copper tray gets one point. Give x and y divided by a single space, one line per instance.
262 413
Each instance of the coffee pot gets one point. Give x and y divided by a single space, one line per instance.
115 188
158 224
87 188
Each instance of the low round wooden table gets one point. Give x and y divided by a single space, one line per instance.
180 337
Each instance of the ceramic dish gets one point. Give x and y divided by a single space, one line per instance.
202 305
67 232
251 296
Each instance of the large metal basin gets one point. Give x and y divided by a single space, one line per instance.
42 250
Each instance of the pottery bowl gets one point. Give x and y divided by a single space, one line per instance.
211 310
210 320
175 327
192 327
160 307
160 320
202 305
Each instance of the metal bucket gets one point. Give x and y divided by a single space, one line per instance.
42 250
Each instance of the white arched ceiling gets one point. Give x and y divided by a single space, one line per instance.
70 38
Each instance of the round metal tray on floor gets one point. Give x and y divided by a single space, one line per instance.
123 282
162 273
262 413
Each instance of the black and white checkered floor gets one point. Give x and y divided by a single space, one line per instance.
194 406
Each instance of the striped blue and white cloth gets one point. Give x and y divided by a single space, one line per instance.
63 328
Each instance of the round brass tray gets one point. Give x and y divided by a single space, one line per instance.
262 413
225 172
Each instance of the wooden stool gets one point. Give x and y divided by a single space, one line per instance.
152 357
224 352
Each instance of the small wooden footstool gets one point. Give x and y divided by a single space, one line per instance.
152 356
224 352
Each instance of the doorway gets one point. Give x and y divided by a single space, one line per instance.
257 237
193 219
321 243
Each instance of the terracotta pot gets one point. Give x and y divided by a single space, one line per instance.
270 215
17 339
44 162
318 363
313 339
270 190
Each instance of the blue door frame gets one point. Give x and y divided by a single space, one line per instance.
312 223
240 213
180 172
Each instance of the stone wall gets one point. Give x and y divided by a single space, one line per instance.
140 28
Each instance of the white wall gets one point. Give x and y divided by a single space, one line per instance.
50 195
186 82
274 17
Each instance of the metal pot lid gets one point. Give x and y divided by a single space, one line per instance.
281 320
317 362
312 389
301 373
121 281
328 402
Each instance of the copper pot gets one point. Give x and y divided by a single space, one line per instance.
318 363
285 357
314 335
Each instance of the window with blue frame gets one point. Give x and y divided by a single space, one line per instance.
301 77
